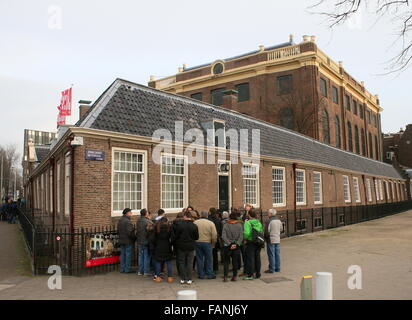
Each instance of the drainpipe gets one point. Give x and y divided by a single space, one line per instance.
71 185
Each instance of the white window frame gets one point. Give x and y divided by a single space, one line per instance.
185 182
224 133
397 191
381 189
67 183
320 187
388 194
257 197
346 188
118 213
369 189
58 186
393 190
356 191
377 189
283 184
301 203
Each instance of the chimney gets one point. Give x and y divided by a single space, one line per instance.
229 99
83 107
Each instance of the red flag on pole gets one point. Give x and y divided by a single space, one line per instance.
65 108
61 119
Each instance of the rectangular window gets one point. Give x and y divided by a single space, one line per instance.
278 187
377 189
347 102
356 189
250 173
285 84
361 111
323 87
369 189
197 96
51 189
301 224
220 137
217 96
67 184
46 181
341 219
317 187
375 121
300 187
355 107
335 95
128 181
380 190
174 178
346 189
58 187
397 191
368 115
242 92
393 190
388 195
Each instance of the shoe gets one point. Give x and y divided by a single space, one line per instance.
248 278
201 278
212 277
189 281
257 276
268 271
233 279
277 270
182 281
140 273
148 275
169 279
225 279
157 279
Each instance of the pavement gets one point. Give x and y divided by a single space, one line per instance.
381 248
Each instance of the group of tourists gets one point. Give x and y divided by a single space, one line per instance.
9 210
196 240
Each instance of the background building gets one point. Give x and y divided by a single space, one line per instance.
294 85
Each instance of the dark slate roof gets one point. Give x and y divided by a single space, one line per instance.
41 152
242 55
135 109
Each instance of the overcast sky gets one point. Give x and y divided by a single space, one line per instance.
99 41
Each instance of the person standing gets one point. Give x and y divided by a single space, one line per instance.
185 235
204 247
215 218
161 239
143 227
127 237
252 250
273 229
232 238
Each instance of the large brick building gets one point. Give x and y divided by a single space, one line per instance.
294 85
109 161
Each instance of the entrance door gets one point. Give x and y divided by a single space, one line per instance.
224 193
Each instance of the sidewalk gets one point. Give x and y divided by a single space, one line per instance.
382 248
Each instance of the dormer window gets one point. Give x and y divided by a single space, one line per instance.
219 133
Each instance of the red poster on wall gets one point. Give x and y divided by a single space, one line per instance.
102 248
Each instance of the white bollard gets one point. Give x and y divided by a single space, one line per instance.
324 286
187 295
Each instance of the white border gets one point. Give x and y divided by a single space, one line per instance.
304 188
321 188
283 204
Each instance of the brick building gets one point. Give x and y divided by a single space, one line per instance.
109 160
294 85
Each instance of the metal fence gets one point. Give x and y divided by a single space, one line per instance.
89 251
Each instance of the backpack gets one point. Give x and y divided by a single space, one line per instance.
258 238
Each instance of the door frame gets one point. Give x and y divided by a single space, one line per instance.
229 175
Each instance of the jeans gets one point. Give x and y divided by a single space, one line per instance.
168 265
273 250
12 219
252 259
125 257
144 259
204 259
227 256
184 261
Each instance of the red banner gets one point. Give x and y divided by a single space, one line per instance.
65 108
61 119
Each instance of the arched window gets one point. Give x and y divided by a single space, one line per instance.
325 126
357 146
350 140
337 132
287 118
363 142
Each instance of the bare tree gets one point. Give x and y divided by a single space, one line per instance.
10 158
399 13
300 112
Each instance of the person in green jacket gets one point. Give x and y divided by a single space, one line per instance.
252 251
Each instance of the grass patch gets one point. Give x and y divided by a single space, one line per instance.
24 262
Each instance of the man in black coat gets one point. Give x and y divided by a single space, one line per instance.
127 237
185 236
